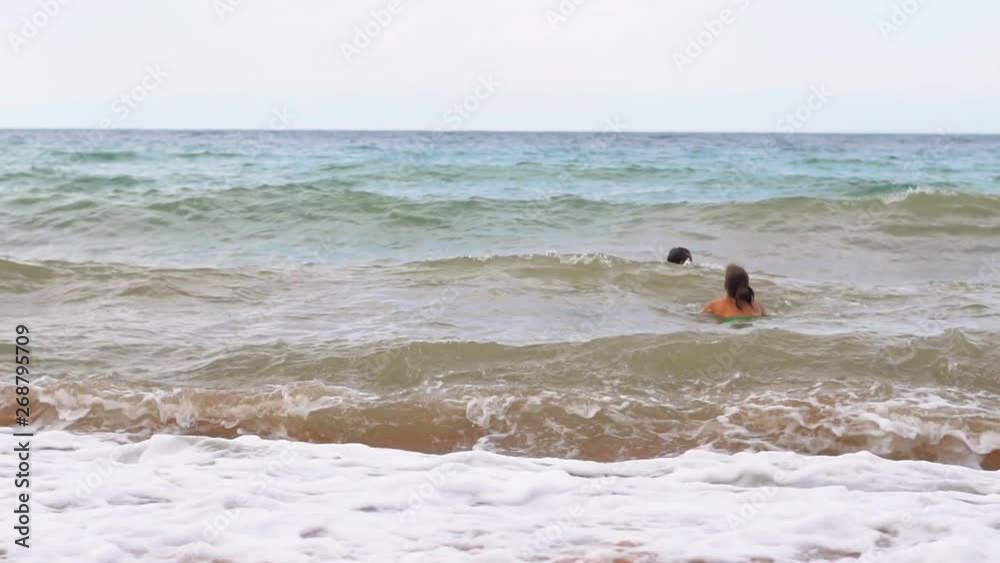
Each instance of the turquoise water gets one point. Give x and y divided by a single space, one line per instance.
256 198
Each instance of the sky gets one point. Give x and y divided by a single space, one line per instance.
632 65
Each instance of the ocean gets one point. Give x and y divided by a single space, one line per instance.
271 346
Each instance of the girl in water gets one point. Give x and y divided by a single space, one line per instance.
738 304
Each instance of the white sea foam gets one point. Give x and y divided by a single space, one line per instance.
97 498
899 196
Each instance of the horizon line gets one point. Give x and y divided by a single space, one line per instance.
520 131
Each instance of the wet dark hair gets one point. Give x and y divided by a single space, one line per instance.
679 255
738 285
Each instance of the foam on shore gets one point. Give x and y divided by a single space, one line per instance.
99 498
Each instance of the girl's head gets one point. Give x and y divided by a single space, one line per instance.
738 286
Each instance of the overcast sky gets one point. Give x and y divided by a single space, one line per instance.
644 65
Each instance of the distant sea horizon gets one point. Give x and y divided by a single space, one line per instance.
526 131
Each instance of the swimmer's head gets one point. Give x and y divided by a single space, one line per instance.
679 256
738 286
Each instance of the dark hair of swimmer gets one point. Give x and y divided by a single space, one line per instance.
679 256
738 286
